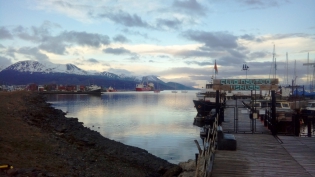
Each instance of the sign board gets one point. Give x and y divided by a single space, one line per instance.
245 84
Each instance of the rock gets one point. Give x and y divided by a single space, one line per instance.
187 174
175 171
12 172
190 165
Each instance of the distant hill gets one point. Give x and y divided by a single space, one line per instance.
26 72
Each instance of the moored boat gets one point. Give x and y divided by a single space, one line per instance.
206 100
111 89
94 89
145 87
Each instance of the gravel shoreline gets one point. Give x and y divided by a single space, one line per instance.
53 145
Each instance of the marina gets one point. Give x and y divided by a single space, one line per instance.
258 152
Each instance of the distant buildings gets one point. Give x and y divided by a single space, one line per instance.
42 88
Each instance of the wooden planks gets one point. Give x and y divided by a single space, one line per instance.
262 154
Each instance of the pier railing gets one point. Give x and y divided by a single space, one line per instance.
205 158
290 124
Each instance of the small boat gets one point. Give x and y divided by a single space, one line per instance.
94 89
156 91
309 108
184 91
111 89
174 91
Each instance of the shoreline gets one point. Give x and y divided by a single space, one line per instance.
32 131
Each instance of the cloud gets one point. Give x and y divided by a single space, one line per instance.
120 71
35 34
120 38
92 60
125 19
117 51
137 33
84 38
4 62
256 55
5 33
57 44
171 24
189 7
256 4
203 63
192 53
213 40
33 53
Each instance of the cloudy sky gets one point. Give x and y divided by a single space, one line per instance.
177 40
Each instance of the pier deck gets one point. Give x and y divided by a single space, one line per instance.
261 154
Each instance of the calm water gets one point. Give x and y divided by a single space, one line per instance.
161 123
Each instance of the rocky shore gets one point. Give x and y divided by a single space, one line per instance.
38 140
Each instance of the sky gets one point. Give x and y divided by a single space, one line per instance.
176 40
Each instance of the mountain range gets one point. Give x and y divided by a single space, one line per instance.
26 72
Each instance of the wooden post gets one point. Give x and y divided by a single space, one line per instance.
273 113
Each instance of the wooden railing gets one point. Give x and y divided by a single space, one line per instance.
205 157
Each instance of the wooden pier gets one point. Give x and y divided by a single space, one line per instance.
259 153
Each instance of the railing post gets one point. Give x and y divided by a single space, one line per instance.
273 113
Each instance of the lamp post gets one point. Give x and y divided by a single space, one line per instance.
245 68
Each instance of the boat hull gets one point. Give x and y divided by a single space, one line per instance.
204 107
143 89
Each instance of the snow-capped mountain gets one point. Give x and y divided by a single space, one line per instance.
25 72
37 67
107 74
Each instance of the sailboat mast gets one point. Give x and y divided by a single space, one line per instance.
287 70
308 74
273 65
295 76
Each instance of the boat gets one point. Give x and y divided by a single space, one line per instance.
111 89
283 108
156 91
145 87
309 108
94 89
184 91
174 91
206 100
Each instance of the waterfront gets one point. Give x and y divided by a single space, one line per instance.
161 123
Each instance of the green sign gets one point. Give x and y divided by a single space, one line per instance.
245 84
245 81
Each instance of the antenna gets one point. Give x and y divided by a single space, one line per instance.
245 68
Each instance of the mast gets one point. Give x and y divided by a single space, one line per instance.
295 76
310 79
273 61
287 70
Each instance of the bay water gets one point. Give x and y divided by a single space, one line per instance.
161 123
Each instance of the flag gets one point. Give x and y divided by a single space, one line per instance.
215 67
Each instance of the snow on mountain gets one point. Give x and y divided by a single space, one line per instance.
47 67
35 66
107 74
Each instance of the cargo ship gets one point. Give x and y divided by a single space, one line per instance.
145 87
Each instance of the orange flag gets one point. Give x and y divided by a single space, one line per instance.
215 67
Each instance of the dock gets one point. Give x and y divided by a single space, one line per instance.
259 153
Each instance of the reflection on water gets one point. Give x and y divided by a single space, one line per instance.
161 123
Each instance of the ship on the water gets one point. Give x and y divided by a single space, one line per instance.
145 87
205 101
